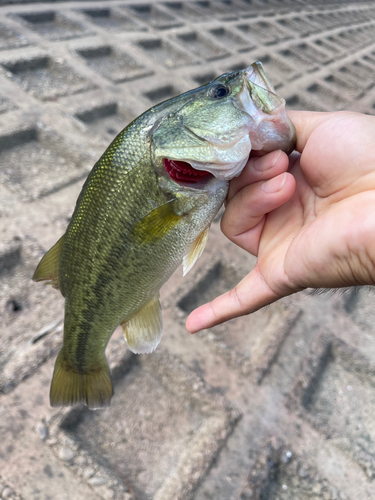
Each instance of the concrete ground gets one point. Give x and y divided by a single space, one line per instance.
278 405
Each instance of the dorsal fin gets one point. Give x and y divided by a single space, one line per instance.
195 251
143 331
48 267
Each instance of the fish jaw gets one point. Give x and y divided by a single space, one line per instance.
229 161
271 128
226 163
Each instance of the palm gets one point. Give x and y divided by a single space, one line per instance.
305 242
317 232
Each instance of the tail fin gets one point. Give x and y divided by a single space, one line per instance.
70 387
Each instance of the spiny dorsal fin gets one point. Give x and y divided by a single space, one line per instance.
195 251
156 224
143 331
69 386
48 267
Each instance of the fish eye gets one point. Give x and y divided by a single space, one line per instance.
219 91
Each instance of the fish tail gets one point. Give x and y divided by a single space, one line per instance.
70 386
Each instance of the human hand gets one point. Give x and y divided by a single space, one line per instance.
313 226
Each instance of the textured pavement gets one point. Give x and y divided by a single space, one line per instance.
275 406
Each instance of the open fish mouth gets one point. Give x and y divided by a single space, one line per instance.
226 163
181 171
187 176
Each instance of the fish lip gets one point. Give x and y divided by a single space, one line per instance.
246 103
263 108
200 186
255 73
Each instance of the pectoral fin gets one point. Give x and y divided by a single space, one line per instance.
195 251
48 267
143 331
157 223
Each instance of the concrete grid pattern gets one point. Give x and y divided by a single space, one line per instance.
278 405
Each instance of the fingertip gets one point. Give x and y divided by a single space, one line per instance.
262 164
286 191
275 184
259 168
197 319
189 325
248 296
278 190
289 186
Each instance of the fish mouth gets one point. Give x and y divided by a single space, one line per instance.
224 163
183 173
260 122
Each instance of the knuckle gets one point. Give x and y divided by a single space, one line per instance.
234 297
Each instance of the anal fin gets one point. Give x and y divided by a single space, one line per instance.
195 251
48 267
143 331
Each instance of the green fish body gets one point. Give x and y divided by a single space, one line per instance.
146 207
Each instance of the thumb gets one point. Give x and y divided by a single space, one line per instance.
248 296
305 122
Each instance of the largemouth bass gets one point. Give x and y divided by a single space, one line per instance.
146 207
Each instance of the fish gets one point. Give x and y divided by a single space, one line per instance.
145 208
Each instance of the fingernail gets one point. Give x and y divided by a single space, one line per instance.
274 185
265 162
